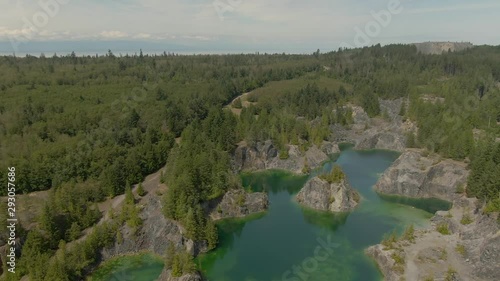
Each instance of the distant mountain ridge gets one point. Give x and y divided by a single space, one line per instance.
438 48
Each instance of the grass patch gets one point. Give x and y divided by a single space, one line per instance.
450 274
443 229
444 254
461 250
466 219
399 262
389 240
409 234
274 88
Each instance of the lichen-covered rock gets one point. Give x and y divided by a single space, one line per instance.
334 197
413 175
238 203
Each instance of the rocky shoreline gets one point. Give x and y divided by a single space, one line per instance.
157 231
453 248
365 133
461 244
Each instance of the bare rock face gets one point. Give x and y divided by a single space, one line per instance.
154 235
238 203
437 48
265 156
166 275
382 140
334 197
413 175
467 251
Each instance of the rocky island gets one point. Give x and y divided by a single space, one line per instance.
331 193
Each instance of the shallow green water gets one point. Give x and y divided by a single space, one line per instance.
292 243
142 267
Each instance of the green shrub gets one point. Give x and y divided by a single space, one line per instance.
409 234
466 219
237 103
335 176
241 199
443 229
450 274
389 240
284 154
492 206
461 250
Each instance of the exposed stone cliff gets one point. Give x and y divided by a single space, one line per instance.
238 203
415 175
264 156
154 235
467 247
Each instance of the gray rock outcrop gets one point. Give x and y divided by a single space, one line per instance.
333 197
265 156
470 251
238 203
154 235
414 175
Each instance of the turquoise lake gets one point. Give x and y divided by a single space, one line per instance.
291 243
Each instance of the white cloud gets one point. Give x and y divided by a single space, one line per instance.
114 34
277 22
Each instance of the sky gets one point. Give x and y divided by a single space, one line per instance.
219 26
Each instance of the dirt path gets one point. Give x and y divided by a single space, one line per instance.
244 103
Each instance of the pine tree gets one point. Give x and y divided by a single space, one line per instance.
211 234
73 232
190 224
169 259
129 196
140 190
176 266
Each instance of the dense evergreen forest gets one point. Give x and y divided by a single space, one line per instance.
87 128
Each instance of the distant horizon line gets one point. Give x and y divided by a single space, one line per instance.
190 50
